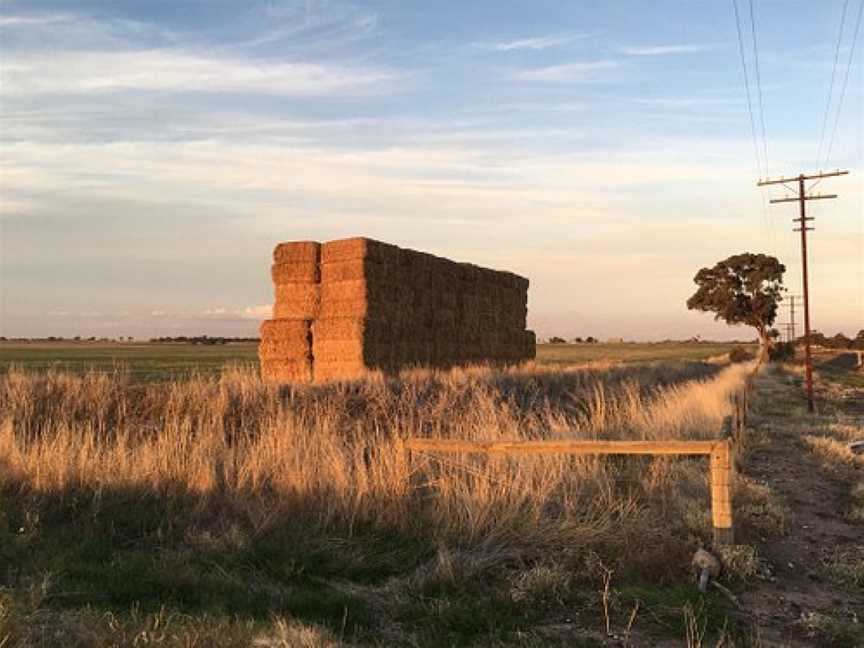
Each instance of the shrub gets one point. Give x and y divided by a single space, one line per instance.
740 354
781 352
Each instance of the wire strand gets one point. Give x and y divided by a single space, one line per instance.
831 85
759 86
747 87
855 34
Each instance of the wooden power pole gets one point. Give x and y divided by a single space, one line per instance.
792 331
802 199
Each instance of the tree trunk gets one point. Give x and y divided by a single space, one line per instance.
765 344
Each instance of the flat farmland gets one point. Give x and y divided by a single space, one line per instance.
147 361
142 360
564 354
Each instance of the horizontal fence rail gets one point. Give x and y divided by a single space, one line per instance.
580 447
719 452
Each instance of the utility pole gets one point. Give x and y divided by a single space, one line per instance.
802 199
791 324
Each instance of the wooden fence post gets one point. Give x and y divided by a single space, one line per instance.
721 492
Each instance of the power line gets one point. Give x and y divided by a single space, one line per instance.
845 80
759 85
831 85
765 213
747 87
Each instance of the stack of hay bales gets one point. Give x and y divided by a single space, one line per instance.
371 305
285 350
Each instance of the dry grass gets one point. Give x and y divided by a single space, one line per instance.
233 460
337 451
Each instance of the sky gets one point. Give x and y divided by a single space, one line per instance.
153 153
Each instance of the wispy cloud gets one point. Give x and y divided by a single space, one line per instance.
567 72
551 41
536 106
259 312
100 72
33 19
661 50
686 102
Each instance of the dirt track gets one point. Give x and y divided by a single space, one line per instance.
802 597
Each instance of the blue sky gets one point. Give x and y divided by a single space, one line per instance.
154 152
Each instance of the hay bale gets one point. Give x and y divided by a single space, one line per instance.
413 353
356 350
445 320
277 328
351 328
285 349
374 305
283 273
357 308
297 301
286 371
359 248
353 290
285 340
416 269
354 270
326 371
297 252
529 349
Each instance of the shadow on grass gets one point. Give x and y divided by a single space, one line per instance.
122 548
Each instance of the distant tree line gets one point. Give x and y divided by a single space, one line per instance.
838 341
183 339
60 338
202 339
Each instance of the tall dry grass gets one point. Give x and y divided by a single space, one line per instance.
333 457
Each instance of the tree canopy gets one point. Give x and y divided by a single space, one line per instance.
743 289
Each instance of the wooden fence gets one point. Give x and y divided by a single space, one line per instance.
720 451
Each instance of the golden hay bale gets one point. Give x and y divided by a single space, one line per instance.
357 350
350 328
277 328
284 339
371 309
359 248
283 273
328 371
286 371
356 269
354 290
297 301
285 349
297 252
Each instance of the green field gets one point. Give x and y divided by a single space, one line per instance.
142 360
155 361
632 351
